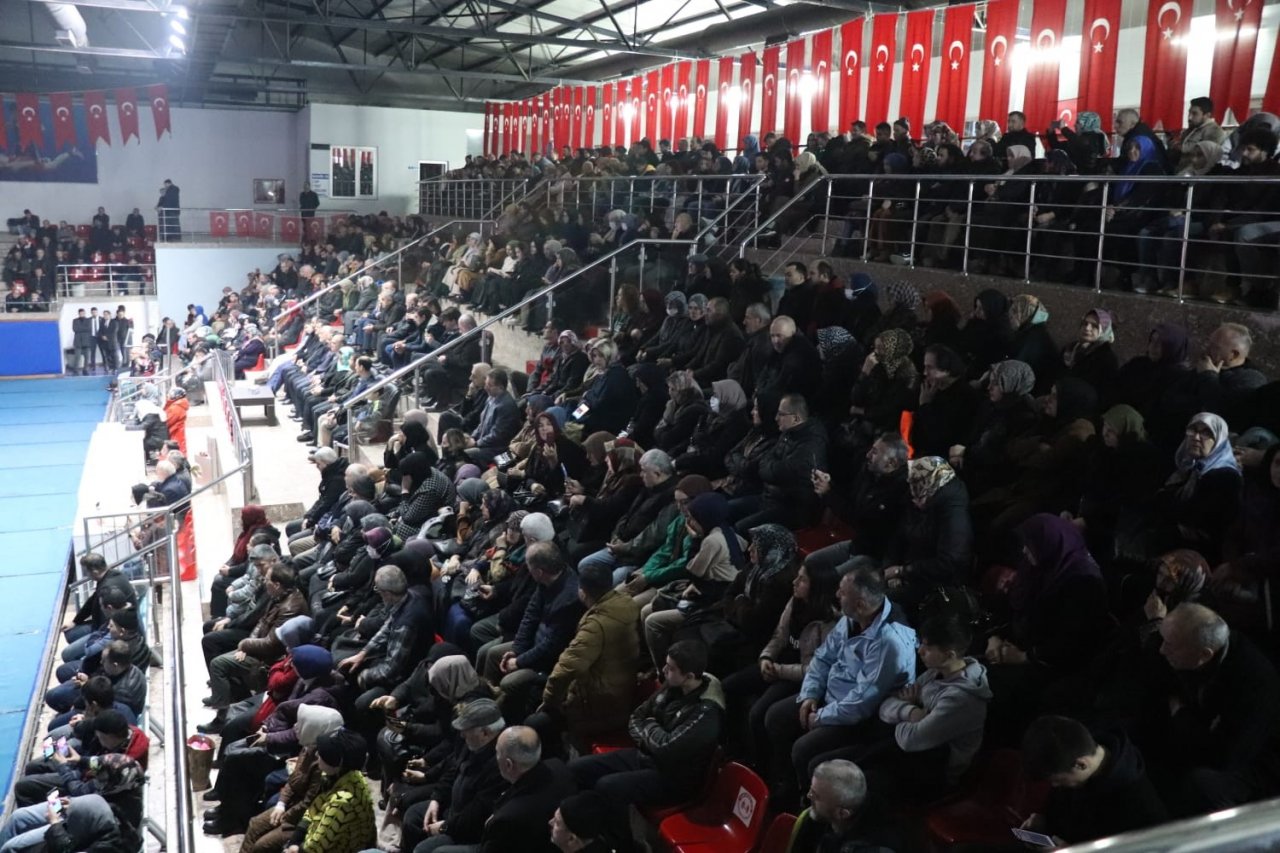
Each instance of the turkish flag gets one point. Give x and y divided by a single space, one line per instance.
915 67
488 152
793 105
30 131
1066 111
608 94
64 124
1164 65
315 228
681 94
95 114
1233 51
850 74
548 112
244 223
884 43
575 117
635 97
264 224
820 61
291 228
1040 102
701 90
159 97
127 111
589 119
724 82
1271 98
769 91
1097 86
953 76
747 82
535 126
997 71
218 223
666 102
652 87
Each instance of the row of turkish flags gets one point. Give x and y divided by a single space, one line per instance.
31 128
656 104
262 225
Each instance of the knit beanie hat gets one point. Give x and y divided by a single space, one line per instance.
343 749
312 661
585 814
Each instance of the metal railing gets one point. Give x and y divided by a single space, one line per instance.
1249 827
224 376
260 224
1067 228
468 198
77 280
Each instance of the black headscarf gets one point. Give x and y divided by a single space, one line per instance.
417 466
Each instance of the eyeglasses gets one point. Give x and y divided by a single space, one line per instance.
1201 431
782 414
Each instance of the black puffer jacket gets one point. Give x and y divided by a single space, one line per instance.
934 545
786 469
680 731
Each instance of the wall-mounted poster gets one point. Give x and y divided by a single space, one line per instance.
268 191
46 146
353 172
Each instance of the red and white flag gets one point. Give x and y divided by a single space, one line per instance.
916 59
95 117
159 97
127 112
64 124
652 109
219 223
1097 89
264 225
850 74
884 47
724 82
769 92
701 91
793 106
1271 99
820 62
683 89
1164 64
1233 53
953 76
608 95
244 223
291 228
1040 101
30 130
997 68
747 82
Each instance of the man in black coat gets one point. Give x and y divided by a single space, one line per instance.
522 812
798 299
870 506
308 201
756 348
720 346
168 205
91 616
106 337
122 327
786 469
332 484
82 342
794 365
454 370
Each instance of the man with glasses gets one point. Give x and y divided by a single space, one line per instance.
786 470
403 640
642 528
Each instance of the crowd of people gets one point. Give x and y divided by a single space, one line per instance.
30 271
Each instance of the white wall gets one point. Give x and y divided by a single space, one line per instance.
402 137
213 156
195 273
142 310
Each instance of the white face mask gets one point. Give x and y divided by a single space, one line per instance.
673 312
371 551
848 293
714 402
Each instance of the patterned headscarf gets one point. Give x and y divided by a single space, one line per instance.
775 552
1106 333
699 301
1188 570
115 773
1012 377
904 295
893 350
988 129
1025 308
833 340
925 476
1088 122
1125 420
572 337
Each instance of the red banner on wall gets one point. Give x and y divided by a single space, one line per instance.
159 97
64 124
606 113
701 91
30 131
916 57
747 82
997 70
884 44
291 228
652 110
850 74
793 106
488 129
820 62
635 97
769 92
953 76
666 103
95 117
218 223
244 223
1271 99
1238 22
574 137
1097 89
1164 65
264 224
589 118
682 93
724 82
1040 102
127 111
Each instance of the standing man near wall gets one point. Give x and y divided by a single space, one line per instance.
167 208
308 201
82 342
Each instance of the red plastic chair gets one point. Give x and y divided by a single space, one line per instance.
262 363
778 836
998 798
829 532
730 818
83 231
150 231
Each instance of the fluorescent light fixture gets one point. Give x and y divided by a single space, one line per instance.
178 27
181 12
176 41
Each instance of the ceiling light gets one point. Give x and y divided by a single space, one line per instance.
181 12
178 27
176 41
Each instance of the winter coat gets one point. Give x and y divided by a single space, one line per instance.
680 731
1117 798
467 790
262 642
521 813
792 653
957 713
643 525
934 545
332 485
593 681
548 624
340 820
787 467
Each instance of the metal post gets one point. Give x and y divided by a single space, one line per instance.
1186 236
1031 220
915 223
866 233
1102 230
826 216
698 218
968 217
613 281
640 274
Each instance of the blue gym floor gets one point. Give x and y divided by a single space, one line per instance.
45 426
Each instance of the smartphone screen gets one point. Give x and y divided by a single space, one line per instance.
1035 838
54 801
579 412
48 747
63 748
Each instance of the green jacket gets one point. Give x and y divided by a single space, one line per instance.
340 820
668 562
594 680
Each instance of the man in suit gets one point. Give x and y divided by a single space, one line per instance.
168 206
499 422
121 328
106 338
82 342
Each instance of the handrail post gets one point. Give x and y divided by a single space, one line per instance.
699 216
1102 231
915 223
826 215
1186 237
613 282
968 218
639 275
866 234
1031 221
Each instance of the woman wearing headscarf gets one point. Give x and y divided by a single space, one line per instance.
340 819
742 463
841 358
1010 413
947 404
1201 499
932 544
685 408
1031 341
941 319
1091 357
984 338
268 830
593 514
425 490
694 340
676 327
1159 243
885 387
1056 620
252 519
501 558
757 597
1123 470
904 310
250 351
1145 379
554 458
722 426
410 438
1134 204
718 555
569 367
611 399
651 381
1000 216
1085 145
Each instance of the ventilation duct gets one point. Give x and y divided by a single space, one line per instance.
72 30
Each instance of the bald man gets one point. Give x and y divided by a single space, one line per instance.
522 812
793 367
1221 721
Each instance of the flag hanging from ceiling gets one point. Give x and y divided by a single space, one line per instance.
997 70
1040 101
608 92
30 131
652 89
1236 43
127 111
635 99
724 82
488 130
701 90
535 126
953 75
1164 65
793 105
64 124
884 44
1271 98
747 82
769 92
95 115
575 118
1097 88
916 57
850 74
159 97
589 118
666 103
820 62
683 95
